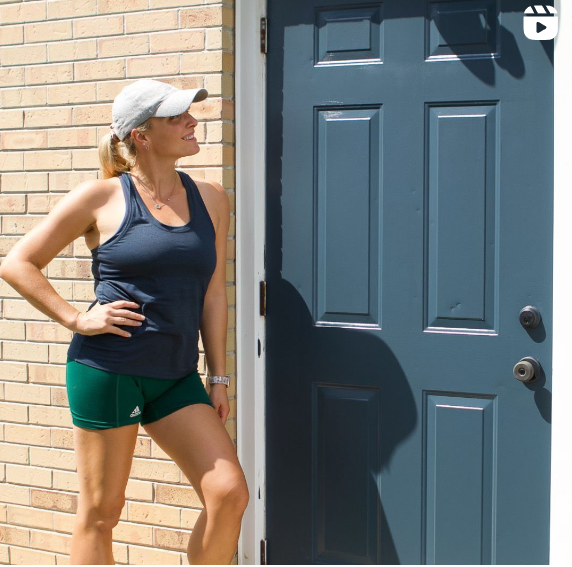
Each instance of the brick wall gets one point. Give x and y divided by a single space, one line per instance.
61 64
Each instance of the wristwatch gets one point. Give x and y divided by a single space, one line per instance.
219 380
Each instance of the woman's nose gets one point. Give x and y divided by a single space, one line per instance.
192 120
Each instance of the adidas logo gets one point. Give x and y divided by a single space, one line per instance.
135 412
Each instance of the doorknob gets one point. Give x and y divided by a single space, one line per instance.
527 369
529 317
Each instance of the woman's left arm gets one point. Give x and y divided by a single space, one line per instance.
214 321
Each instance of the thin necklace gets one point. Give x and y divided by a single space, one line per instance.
157 206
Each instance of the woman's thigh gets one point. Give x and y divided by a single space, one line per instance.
103 459
195 438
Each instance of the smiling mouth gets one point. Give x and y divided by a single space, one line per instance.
189 138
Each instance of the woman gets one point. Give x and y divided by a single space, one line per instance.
158 241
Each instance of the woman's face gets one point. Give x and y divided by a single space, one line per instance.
173 136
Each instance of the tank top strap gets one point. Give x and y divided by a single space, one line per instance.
199 209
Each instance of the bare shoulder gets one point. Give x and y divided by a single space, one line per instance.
216 200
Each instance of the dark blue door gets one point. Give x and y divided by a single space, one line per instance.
409 221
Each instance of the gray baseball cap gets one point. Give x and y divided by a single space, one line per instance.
146 98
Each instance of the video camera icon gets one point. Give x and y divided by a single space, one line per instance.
540 22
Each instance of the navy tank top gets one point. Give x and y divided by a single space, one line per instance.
164 269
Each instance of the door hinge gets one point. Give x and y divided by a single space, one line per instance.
262 298
263 35
263 545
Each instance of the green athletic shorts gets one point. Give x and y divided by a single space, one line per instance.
99 399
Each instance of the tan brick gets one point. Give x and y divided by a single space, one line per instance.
205 62
150 556
12 330
21 556
150 22
71 8
98 70
44 204
142 447
44 117
16 413
172 3
152 66
15 536
23 12
53 500
28 434
32 517
63 522
97 27
65 481
83 291
11 119
171 539
24 182
81 249
126 45
21 309
16 224
31 96
49 541
4 554
154 514
13 371
23 55
85 159
13 453
54 458
189 517
9 35
61 438
207 16
183 40
155 470
80 93
27 393
24 140
3 513
50 73
177 495
24 351
49 31
219 38
48 332
133 533
30 476
45 415
139 490
48 160
59 398
57 354
72 50
12 76
11 494
69 269
107 6
64 181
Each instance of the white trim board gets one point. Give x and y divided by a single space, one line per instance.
561 460
250 92
250 81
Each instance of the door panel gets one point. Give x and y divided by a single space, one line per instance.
409 220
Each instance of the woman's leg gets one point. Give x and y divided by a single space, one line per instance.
103 458
195 438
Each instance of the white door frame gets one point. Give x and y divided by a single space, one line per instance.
250 84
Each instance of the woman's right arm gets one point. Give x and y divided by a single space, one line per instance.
70 218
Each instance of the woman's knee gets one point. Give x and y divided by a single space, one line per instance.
230 491
101 513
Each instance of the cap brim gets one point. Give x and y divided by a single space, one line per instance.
179 102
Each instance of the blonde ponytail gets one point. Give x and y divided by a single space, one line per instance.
116 156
